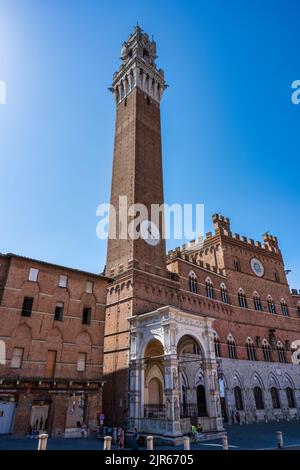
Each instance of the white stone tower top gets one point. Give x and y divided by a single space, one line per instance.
138 68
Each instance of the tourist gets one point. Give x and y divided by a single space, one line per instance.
136 438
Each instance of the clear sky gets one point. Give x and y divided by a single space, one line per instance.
230 131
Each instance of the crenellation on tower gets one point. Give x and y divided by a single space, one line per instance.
138 68
221 224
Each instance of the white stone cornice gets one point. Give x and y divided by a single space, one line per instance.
138 69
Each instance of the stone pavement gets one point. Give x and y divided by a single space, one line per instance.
250 437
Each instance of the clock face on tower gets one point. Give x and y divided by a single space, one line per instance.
257 267
150 233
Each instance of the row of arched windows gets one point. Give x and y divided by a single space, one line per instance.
259 400
242 299
251 350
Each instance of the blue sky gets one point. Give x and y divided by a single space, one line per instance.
230 131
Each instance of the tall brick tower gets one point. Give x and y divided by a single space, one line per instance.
137 267
137 86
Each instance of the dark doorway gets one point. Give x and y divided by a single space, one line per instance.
201 401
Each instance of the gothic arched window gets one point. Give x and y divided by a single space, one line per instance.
209 289
193 283
281 353
271 305
231 347
242 299
250 350
257 301
224 294
284 308
217 346
266 351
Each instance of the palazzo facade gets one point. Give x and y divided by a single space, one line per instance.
206 333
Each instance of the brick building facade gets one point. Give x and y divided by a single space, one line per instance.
52 324
206 334
203 334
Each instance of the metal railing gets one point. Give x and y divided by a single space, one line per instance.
189 410
155 411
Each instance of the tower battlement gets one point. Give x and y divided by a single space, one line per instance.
221 223
138 68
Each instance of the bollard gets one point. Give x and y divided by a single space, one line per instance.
225 442
149 442
43 439
279 439
186 443
107 443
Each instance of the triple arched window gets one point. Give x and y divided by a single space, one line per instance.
209 288
271 305
284 308
224 294
242 298
231 347
250 350
257 301
281 352
266 351
193 284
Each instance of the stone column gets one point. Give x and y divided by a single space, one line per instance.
171 390
212 394
135 393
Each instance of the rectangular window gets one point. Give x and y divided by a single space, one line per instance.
63 281
17 356
59 311
89 287
81 362
27 306
86 316
33 275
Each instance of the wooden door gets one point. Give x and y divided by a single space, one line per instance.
50 363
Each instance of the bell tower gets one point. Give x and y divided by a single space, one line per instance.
137 179
136 266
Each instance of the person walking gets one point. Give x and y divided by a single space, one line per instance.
122 438
136 437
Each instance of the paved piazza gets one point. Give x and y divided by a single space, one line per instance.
251 437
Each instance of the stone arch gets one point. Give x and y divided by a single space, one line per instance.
190 343
154 374
288 381
153 339
237 380
273 381
256 380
